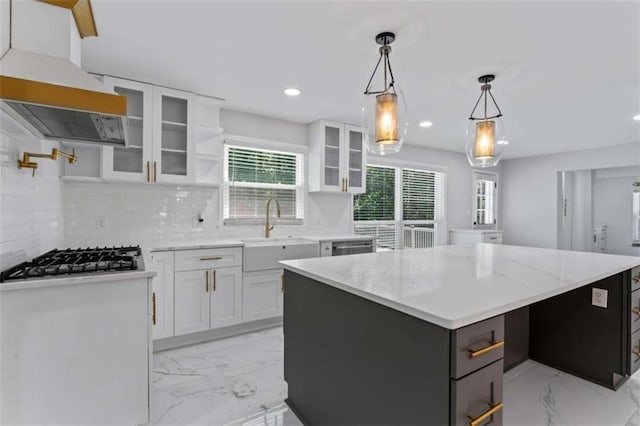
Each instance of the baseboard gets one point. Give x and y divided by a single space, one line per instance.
217 334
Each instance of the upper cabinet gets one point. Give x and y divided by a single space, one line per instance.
337 158
173 136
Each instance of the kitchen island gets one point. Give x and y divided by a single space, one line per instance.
422 336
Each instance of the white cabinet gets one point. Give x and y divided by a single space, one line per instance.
134 162
469 236
337 158
226 297
162 297
262 294
210 294
192 305
160 129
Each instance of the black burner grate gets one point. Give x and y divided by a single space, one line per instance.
75 261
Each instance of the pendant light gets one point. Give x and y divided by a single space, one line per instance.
384 112
485 136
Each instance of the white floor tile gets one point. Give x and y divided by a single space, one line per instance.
239 381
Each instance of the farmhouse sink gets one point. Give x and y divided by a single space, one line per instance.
265 253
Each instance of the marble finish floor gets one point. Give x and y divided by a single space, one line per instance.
239 381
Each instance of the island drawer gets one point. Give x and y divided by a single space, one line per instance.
476 345
194 260
635 352
492 237
477 398
635 278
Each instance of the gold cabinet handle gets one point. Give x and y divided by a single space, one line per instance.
636 311
206 281
155 171
214 280
153 311
490 412
636 353
282 283
346 184
211 258
148 172
491 347
636 279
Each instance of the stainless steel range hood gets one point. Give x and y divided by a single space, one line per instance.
56 99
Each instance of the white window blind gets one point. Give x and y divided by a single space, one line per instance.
252 176
401 208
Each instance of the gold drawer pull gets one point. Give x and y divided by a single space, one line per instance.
636 353
490 412
636 311
211 258
492 346
636 279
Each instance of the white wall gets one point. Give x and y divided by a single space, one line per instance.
612 205
31 221
111 213
529 190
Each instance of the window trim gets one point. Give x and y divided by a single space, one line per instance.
243 142
474 200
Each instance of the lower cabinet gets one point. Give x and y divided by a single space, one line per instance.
162 296
262 295
208 298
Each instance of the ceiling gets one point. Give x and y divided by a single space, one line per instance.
568 73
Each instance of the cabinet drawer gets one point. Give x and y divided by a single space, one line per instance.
493 237
635 311
476 345
478 397
635 278
635 352
193 260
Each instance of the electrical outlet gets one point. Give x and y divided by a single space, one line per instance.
599 297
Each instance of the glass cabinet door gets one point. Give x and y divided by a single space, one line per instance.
172 141
355 160
131 162
332 156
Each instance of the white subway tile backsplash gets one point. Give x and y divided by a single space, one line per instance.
30 207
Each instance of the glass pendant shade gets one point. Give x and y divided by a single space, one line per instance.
485 142
384 122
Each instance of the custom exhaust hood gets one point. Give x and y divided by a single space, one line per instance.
44 90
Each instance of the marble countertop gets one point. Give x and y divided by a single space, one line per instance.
454 286
339 237
477 231
196 245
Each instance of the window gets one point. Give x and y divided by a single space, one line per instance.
252 176
401 208
485 191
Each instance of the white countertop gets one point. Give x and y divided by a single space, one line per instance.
196 245
477 231
339 237
454 286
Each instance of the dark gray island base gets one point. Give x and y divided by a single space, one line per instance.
352 361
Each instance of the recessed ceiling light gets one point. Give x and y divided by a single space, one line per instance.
636 117
425 124
291 91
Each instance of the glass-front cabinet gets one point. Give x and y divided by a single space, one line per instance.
337 158
172 135
159 134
